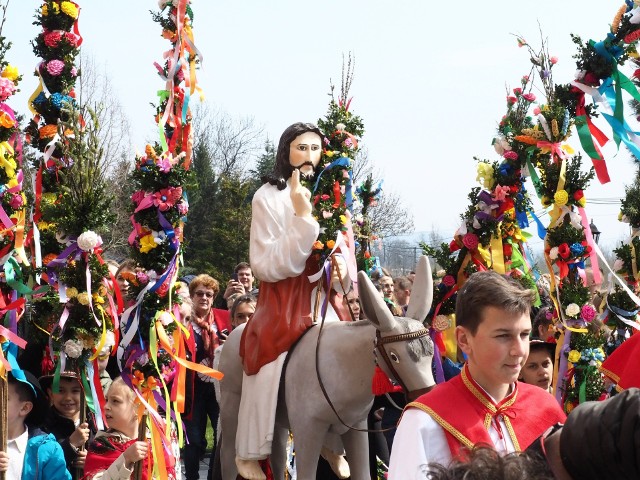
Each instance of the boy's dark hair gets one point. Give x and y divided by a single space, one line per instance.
24 391
241 266
490 289
27 393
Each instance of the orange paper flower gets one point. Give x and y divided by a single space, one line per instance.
48 131
6 121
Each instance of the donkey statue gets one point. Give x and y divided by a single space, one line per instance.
347 354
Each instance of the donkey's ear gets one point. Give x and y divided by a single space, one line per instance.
373 304
421 292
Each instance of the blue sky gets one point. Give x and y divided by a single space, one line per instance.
429 79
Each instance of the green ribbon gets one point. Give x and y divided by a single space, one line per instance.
88 397
586 140
13 275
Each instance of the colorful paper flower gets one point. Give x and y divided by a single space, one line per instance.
529 97
563 251
574 356
6 121
89 240
147 243
470 240
577 249
69 9
52 38
73 348
572 310
55 67
441 323
510 155
10 72
500 193
83 298
449 281
588 312
7 88
553 253
167 197
485 175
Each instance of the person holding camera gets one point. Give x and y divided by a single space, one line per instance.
241 283
210 327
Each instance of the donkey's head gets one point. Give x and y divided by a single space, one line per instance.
404 349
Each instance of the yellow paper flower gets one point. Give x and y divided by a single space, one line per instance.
343 219
70 9
561 197
97 298
71 292
329 153
485 175
574 356
331 244
147 243
318 245
83 298
45 9
10 72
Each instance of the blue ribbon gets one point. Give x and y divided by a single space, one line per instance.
340 162
10 351
620 130
542 231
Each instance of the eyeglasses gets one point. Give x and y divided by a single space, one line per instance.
204 294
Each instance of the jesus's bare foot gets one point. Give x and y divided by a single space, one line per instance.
337 462
250 469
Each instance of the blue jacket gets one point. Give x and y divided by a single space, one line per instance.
43 458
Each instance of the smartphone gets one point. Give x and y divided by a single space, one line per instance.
234 277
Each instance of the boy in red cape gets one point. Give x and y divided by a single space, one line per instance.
485 404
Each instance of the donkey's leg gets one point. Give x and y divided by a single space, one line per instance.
308 437
356 445
279 452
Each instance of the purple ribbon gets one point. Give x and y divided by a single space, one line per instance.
437 358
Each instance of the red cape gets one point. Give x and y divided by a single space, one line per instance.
465 412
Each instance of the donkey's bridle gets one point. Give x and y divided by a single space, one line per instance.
403 337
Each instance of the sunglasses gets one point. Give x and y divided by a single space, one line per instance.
204 294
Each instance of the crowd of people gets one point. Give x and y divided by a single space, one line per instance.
493 417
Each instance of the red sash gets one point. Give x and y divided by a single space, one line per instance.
465 412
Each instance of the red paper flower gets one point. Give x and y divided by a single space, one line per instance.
507 249
578 194
51 39
167 197
470 240
564 251
449 281
529 97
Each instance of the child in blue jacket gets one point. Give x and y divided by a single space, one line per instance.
31 454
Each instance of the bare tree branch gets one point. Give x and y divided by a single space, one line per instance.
232 142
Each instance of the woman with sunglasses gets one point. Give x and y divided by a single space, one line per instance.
210 328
